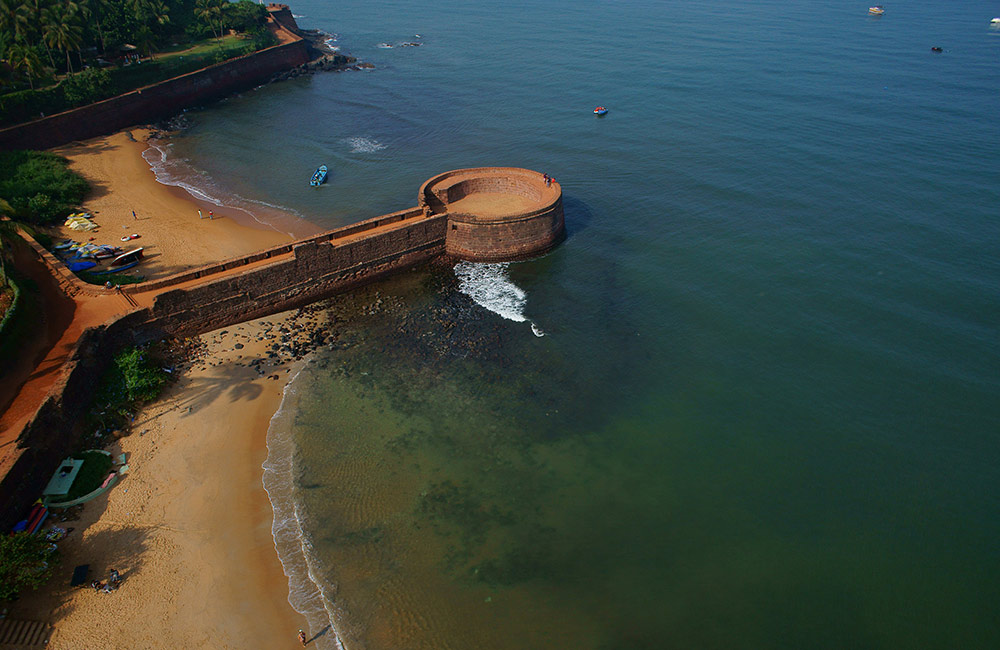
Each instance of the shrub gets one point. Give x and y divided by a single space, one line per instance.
25 561
132 379
39 186
26 105
91 85
142 379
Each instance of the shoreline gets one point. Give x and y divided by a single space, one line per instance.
166 216
294 226
190 527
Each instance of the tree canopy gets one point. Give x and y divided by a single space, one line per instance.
24 563
43 38
39 187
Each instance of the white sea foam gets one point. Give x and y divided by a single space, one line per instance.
176 172
305 591
490 286
365 145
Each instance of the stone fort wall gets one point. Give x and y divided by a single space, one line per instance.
161 100
486 238
272 281
317 268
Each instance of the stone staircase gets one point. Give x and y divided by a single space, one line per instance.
17 634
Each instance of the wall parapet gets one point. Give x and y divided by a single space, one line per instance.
267 282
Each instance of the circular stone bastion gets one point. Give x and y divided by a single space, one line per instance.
496 214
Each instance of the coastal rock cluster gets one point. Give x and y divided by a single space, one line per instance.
325 63
265 345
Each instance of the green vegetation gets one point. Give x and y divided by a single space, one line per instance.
38 187
115 278
25 562
96 467
133 378
20 322
10 297
100 44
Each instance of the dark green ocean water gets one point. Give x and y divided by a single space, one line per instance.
765 410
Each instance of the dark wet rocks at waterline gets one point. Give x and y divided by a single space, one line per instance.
325 63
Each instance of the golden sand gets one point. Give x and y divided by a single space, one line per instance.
189 528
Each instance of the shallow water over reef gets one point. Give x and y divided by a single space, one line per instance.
764 409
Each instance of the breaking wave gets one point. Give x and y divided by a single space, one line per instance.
490 286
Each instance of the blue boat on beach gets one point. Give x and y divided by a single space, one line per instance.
319 177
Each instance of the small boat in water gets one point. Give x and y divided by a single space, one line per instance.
600 110
319 177
877 10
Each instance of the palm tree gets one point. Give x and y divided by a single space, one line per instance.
14 18
42 17
158 12
63 32
24 59
207 10
97 9
145 40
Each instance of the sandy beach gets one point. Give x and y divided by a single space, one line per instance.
189 527
166 218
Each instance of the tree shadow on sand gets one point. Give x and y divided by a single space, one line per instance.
113 547
229 382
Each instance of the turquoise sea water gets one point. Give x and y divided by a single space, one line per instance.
765 410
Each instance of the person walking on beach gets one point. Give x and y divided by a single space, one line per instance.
302 637
211 215
133 216
200 216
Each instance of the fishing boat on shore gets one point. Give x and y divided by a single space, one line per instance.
122 262
319 177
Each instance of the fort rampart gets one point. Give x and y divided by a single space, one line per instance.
162 100
507 214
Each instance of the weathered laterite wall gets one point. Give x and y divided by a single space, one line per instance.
274 280
160 100
316 270
320 267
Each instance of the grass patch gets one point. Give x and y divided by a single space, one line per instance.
115 278
96 84
96 467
